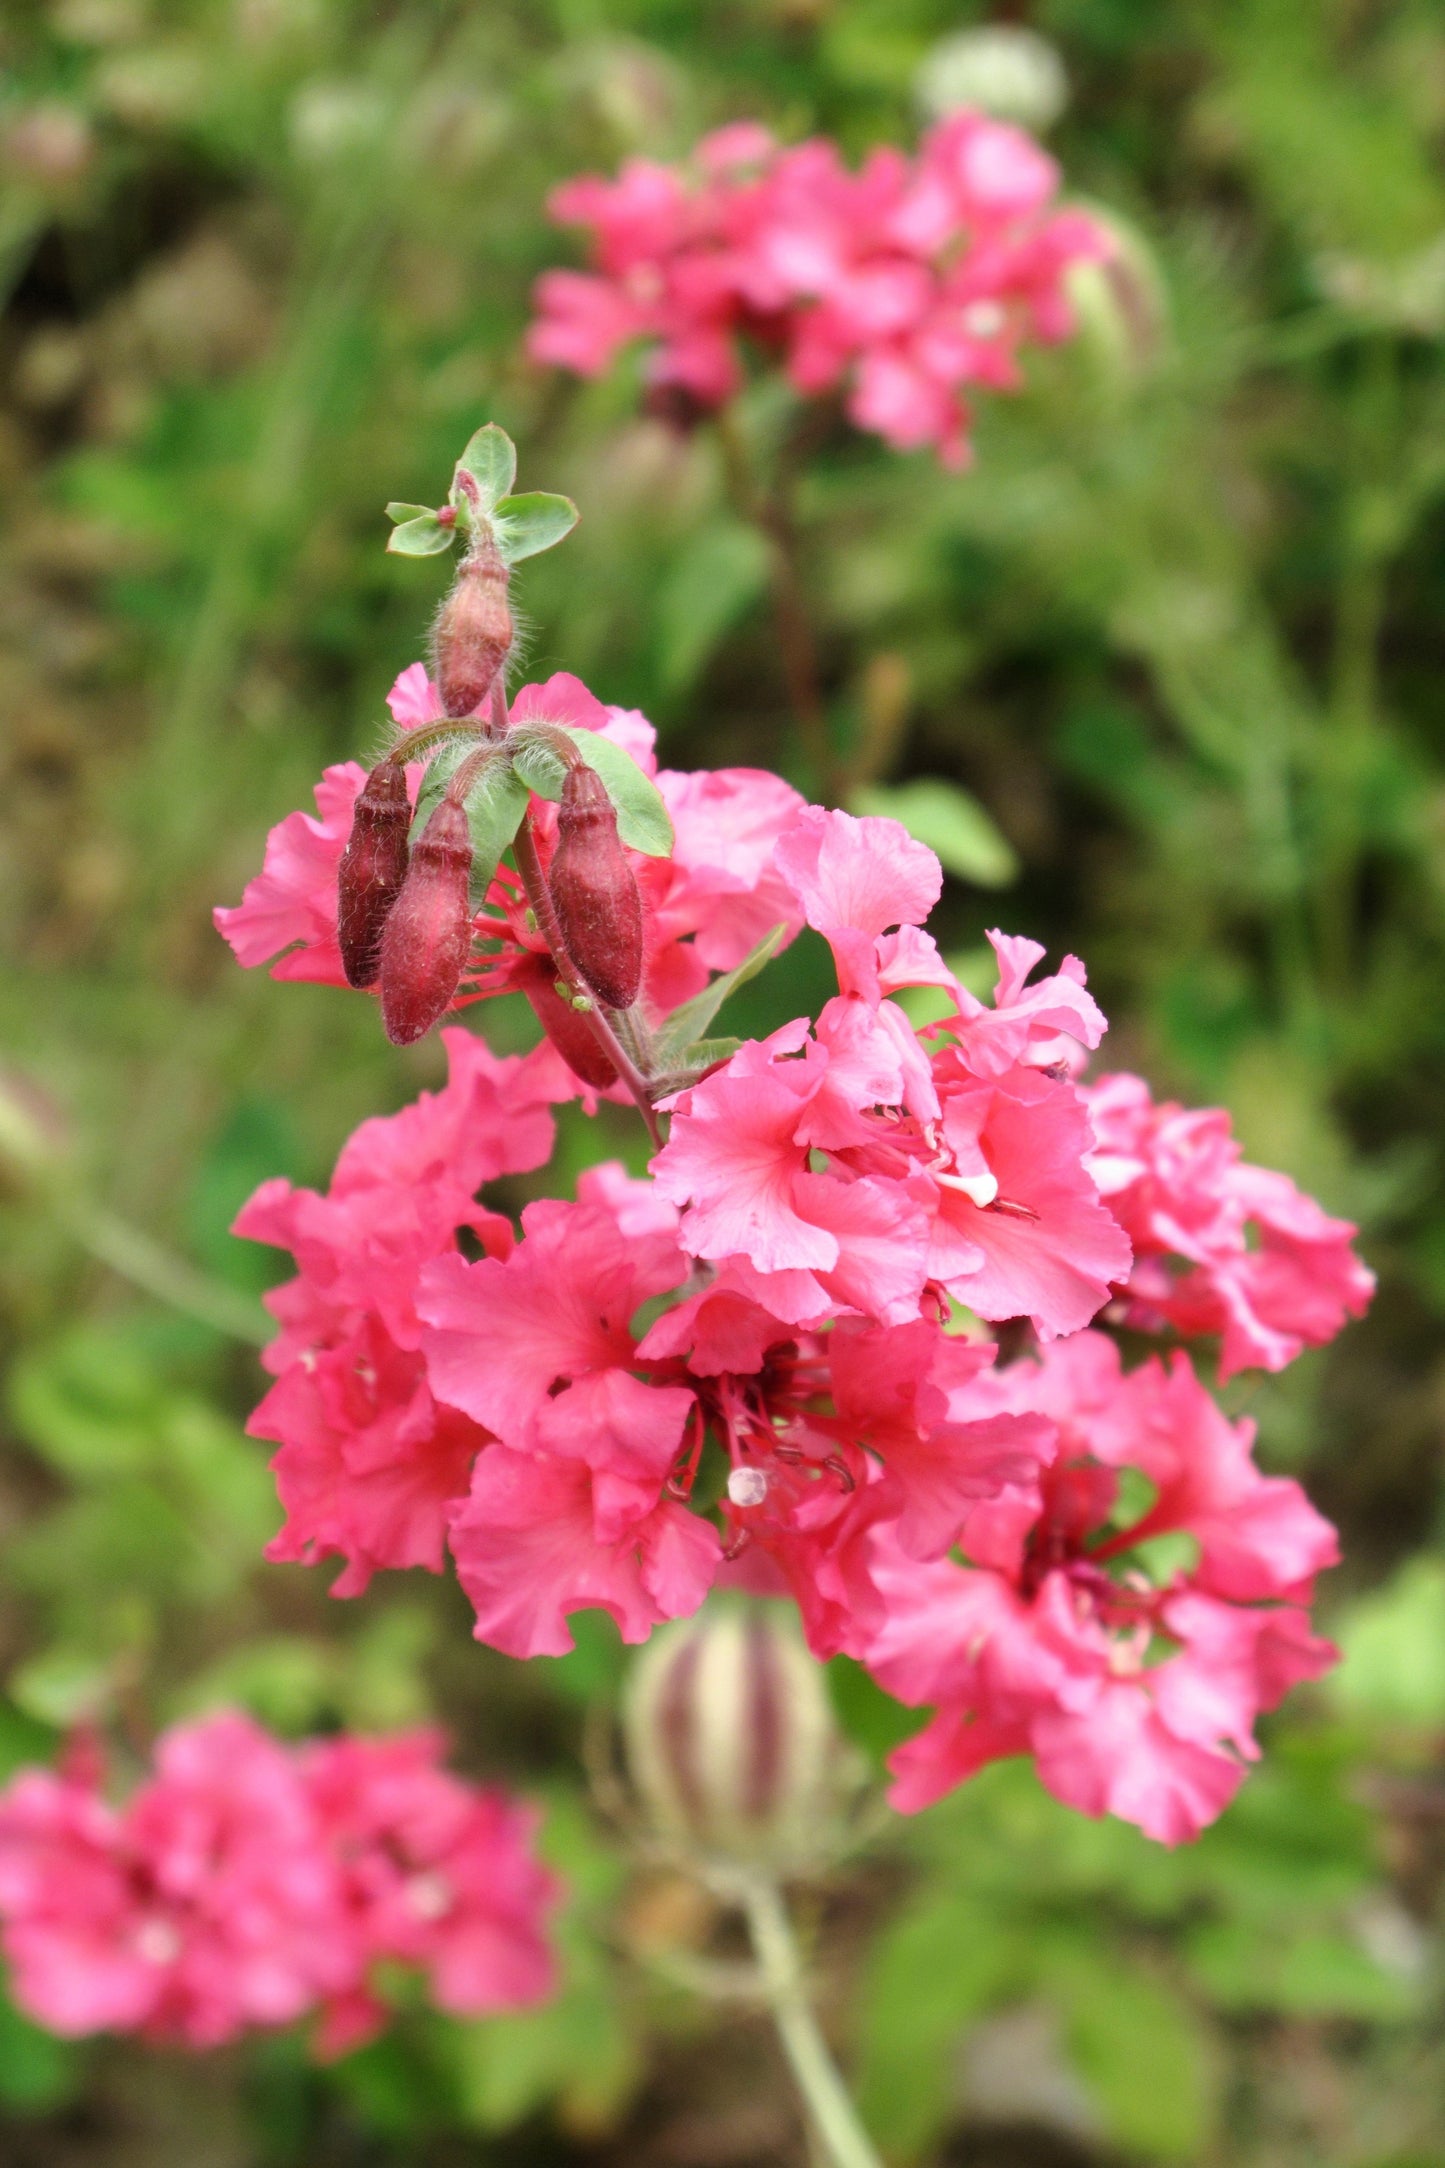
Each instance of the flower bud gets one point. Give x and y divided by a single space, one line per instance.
428 935
731 1742
473 631
373 867
595 890
570 1033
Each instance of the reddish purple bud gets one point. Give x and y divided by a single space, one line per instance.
428 935
473 631
373 867
568 1031
595 891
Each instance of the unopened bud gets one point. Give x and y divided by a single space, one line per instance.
373 867
428 935
568 1030
473 633
595 890
731 1742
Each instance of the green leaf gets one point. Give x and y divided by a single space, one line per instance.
951 823
939 1964
398 514
491 460
38 2072
687 1024
643 821
524 526
1394 1644
717 576
424 537
495 805
1143 2054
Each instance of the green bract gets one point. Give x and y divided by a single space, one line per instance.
642 818
524 526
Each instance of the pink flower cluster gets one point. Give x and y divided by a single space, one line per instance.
908 281
246 1883
771 1362
1220 1247
1123 1623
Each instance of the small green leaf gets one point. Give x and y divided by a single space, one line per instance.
398 514
685 1025
491 460
643 822
424 537
951 823
524 526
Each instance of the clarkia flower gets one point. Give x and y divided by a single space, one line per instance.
245 1884
904 283
1220 1247
1126 1623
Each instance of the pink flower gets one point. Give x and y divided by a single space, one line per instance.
851 1154
1127 1649
243 1886
903 281
369 1463
205 1907
1220 1247
435 1875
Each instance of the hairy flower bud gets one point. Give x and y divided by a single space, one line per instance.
428 934
595 890
570 1033
731 1742
473 631
373 867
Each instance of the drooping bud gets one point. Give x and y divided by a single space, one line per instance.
568 1031
373 867
731 1742
595 890
473 632
428 934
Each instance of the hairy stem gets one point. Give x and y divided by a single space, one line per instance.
780 1971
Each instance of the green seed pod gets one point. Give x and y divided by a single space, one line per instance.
731 1743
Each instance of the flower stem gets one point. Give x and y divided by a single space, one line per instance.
780 1969
539 896
159 1272
771 513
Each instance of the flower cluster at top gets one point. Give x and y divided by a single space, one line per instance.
907 281
774 1363
246 1883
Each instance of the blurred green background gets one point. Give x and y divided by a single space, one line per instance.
265 264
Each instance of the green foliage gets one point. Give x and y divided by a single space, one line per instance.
1163 660
642 818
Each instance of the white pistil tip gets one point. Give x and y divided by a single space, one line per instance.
747 1487
980 1189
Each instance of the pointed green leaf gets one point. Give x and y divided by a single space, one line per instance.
491 460
526 525
951 823
397 513
495 805
642 818
424 537
685 1025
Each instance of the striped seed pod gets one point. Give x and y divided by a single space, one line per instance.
473 632
595 890
428 935
373 867
731 1742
